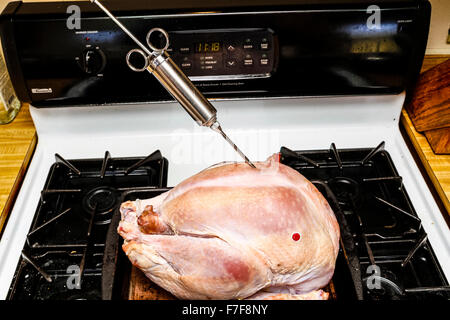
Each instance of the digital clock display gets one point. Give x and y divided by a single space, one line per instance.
207 47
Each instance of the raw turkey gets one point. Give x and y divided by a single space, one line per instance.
235 232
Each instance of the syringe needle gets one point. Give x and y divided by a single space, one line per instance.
216 127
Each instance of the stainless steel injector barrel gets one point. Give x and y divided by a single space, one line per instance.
182 89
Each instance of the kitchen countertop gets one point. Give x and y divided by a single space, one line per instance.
18 140
436 166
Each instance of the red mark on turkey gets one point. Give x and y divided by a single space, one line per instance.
296 236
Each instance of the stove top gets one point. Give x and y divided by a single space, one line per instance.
65 245
384 250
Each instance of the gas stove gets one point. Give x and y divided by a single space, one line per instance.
321 85
393 234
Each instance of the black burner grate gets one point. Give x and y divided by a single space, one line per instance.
63 254
384 249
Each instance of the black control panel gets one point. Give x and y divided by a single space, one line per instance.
229 49
221 55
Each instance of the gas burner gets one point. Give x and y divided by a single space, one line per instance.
101 202
384 287
345 189
74 295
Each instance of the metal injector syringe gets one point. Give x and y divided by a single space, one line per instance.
159 63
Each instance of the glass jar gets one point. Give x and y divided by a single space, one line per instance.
9 104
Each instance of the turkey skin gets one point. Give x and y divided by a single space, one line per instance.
235 232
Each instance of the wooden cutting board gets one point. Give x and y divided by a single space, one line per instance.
429 108
439 140
141 288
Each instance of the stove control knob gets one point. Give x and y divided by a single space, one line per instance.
92 61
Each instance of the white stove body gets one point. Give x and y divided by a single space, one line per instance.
258 127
